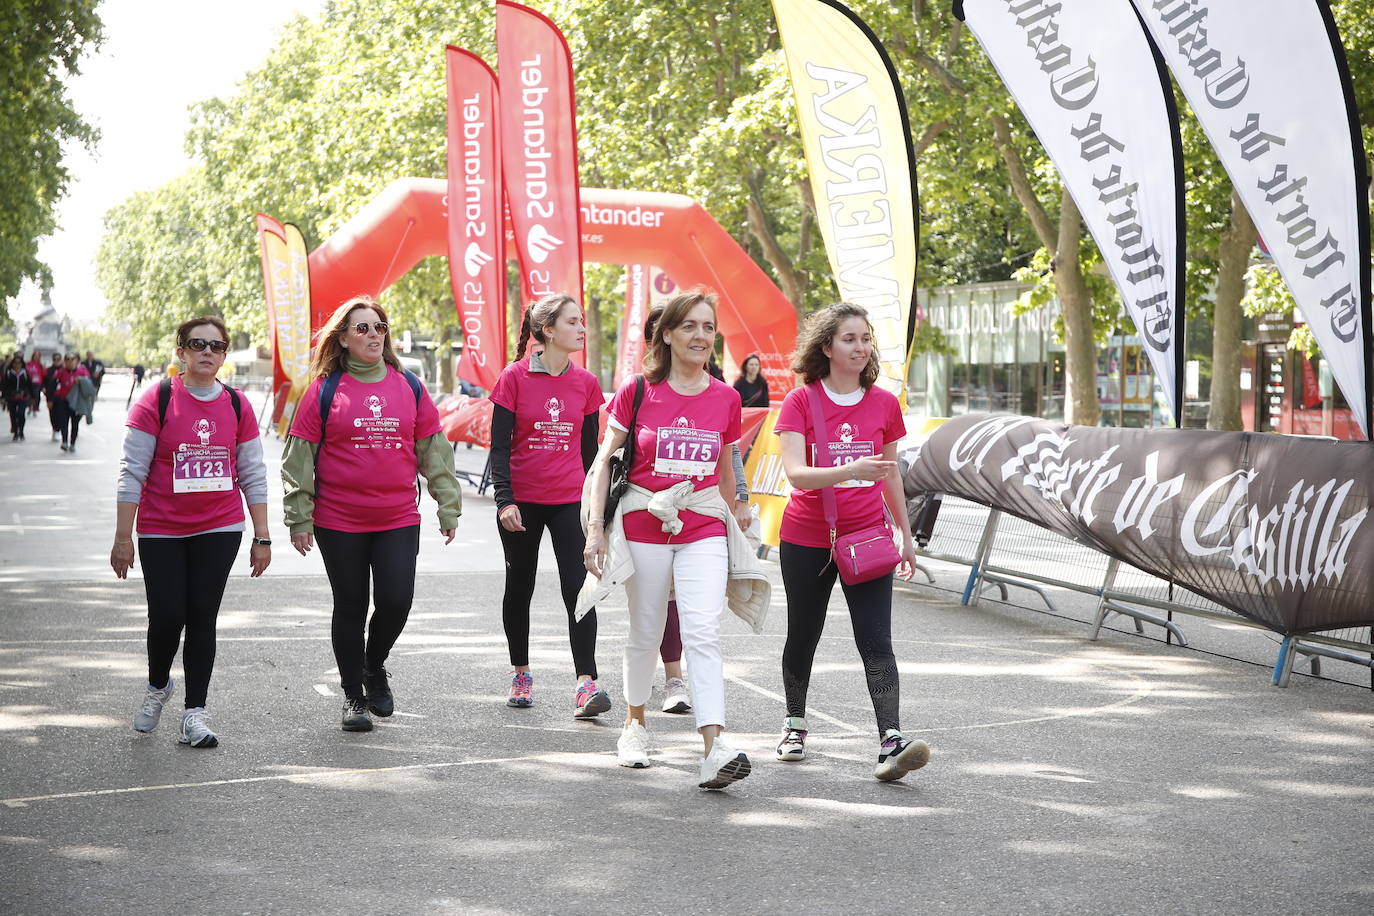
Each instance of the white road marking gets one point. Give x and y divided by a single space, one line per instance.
323 690
810 713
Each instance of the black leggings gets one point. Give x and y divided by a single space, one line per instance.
184 579
522 563
809 577
63 418
19 412
349 557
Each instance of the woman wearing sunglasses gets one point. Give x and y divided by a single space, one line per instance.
362 430
191 446
544 427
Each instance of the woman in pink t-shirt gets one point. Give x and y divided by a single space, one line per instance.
683 429
856 455
190 447
362 430
544 426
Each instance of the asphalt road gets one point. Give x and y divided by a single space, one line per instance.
1122 776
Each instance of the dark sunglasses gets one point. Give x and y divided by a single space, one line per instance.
362 327
200 343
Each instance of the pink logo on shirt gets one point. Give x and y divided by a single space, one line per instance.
846 431
204 429
375 403
554 407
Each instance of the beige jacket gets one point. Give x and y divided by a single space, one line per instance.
747 590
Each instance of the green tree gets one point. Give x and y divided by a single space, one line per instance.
43 42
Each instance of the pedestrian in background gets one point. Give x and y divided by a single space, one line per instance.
854 454
35 369
73 397
190 448
362 430
751 385
544 429
16 388
55 417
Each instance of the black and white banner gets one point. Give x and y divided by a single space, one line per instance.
1269 82
1275 528
1097 95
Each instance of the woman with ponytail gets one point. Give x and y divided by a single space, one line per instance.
544 431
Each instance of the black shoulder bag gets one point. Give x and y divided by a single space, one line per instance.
621 464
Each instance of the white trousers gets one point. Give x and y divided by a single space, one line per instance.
698 571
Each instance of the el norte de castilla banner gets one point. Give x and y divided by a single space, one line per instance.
1276 528
857 140
1098 97
1269 82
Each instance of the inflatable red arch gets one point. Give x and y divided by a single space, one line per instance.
408 222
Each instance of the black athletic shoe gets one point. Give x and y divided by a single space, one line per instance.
379 698
355 717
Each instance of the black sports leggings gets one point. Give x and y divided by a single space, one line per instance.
522 563
184 579
19 412
809 577
67 418
349 558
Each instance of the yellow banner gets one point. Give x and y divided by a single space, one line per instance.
293 315
768 486
858 150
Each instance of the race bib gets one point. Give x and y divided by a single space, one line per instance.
842 453
686 452
201 469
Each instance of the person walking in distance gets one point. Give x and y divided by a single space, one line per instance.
673 526
854 453
55 418
35 370
17 390
74 389
363 429
544 428
191 446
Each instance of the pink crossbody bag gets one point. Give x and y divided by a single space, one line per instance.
860 556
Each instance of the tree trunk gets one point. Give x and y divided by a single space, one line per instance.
593 307
443 357
1233 257
792 280
1081 407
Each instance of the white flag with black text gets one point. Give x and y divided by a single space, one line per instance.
1097 95
1269 83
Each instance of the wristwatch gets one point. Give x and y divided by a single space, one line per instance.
265 542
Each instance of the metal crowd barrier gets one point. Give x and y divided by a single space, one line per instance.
1005 552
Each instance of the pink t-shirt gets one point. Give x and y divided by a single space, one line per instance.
677 437
365 475
851 433
546 448
192 483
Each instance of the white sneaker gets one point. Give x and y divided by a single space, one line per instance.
675 696
793 743
150 710
723 766
633 747
194 731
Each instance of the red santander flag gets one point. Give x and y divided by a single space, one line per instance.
539 152
476 223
